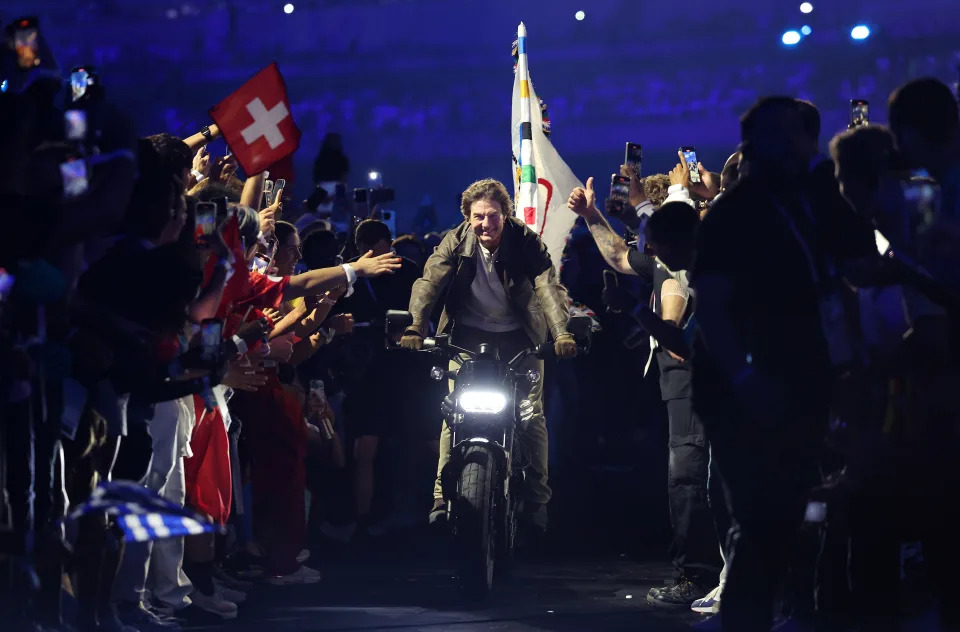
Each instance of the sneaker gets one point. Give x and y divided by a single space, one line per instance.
141 618
214 604
230 594
342 534
438 515
681 594
303 575
710 604
303 556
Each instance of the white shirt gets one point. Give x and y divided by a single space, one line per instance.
487 307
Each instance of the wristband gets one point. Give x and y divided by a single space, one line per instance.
326 300
241 344
205 130
351 277
199 177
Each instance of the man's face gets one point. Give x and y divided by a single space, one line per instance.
486 220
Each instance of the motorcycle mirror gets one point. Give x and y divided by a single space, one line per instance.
437 373
398 321
533 376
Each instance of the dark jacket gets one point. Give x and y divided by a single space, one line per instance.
523 265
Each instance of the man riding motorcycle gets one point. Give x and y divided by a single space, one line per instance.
499 287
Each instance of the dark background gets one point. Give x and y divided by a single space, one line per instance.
420 89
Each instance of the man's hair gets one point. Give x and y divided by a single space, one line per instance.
320 248
928 106
865 153
655 188
174 154
673 220
488 189
811 118
371 231
214 190
283 230
757 117
408 240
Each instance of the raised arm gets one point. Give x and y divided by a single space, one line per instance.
199 140
612 246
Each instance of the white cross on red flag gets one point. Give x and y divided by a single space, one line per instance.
256 121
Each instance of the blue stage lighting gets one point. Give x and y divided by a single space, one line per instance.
860 32
790 38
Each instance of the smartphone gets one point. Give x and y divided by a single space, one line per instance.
211 333
278 188
619 187
73 173
26 42
82 78
690 156
859 112
261 263
223 206
272 248
75 124
206 220
633 157
267 192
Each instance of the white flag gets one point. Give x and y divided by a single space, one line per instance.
542 181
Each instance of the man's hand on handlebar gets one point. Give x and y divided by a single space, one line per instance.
412 340
565 346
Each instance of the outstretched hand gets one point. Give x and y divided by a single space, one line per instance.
370 266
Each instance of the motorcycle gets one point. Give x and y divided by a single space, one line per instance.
483 481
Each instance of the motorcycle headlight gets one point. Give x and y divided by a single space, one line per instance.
483 402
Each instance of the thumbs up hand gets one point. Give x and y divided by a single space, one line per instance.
583 200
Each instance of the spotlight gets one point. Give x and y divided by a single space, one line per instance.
374 175
288 8
806 7
790 38
805 30
580 15
860 32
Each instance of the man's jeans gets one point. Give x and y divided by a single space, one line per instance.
695 544
534 437
163 558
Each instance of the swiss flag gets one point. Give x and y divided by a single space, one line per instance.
257 123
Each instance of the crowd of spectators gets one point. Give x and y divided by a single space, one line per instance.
163 322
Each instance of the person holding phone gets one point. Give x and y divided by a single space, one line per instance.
670 234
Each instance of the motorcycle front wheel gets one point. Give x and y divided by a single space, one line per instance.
475 523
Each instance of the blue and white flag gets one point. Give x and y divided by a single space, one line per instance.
142 514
